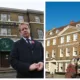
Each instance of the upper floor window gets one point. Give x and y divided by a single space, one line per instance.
8 17
20 18
5 31
51 33
62 39
3 17
75 37
78 26
54 41
57 31
48 42
40 34
61 52
68 38
67 52
37 19
47 54
8 31
53 54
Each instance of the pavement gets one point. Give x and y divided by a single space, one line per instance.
7 73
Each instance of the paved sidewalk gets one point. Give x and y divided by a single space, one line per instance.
7 73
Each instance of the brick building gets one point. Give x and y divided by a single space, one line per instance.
62 45
9 20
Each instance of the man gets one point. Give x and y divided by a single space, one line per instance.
26 56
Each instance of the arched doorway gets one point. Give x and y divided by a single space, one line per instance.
5 48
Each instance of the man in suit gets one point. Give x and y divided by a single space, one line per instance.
26 56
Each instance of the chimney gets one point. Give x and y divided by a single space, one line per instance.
72 23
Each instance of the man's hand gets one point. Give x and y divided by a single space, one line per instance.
33 66
40 66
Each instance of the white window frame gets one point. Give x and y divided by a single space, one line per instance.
47 54
3 17
57 31
68 38
75 51
61 52
8 31
67 52
48 42
21 18
3 31
54 41
8 17
62 39
40 33
75 37
51 33
60 65
53 54
37 19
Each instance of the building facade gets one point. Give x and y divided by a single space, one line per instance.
9 21
62 45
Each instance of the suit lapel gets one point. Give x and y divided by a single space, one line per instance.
25 43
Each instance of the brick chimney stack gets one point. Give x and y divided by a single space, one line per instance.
72 23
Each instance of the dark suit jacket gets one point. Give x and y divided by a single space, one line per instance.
23 55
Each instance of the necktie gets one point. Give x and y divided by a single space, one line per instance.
28 41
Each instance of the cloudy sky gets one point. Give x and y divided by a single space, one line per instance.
23 4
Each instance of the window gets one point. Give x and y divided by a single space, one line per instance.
68 38
78 26
37 19
75 37
47 54
62 39
67 52
20 19
54 41
8 17
3 31
66 65
60 67
48 42
40 34
3 17
61 52
57 31
53 54
51 33
8 31
74 51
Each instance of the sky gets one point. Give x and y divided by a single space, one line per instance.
23 4
59 14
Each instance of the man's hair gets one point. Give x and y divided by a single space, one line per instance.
21 25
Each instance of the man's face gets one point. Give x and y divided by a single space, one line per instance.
24 31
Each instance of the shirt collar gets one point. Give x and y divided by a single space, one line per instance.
28 38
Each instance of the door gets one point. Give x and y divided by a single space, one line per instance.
4 59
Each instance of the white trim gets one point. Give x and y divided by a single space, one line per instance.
8 35
68 44
58 61
69 33
51 37
63 60
63 30
36 22
66 28
14 21
38 39
52 60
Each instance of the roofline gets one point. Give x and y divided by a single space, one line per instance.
21 10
